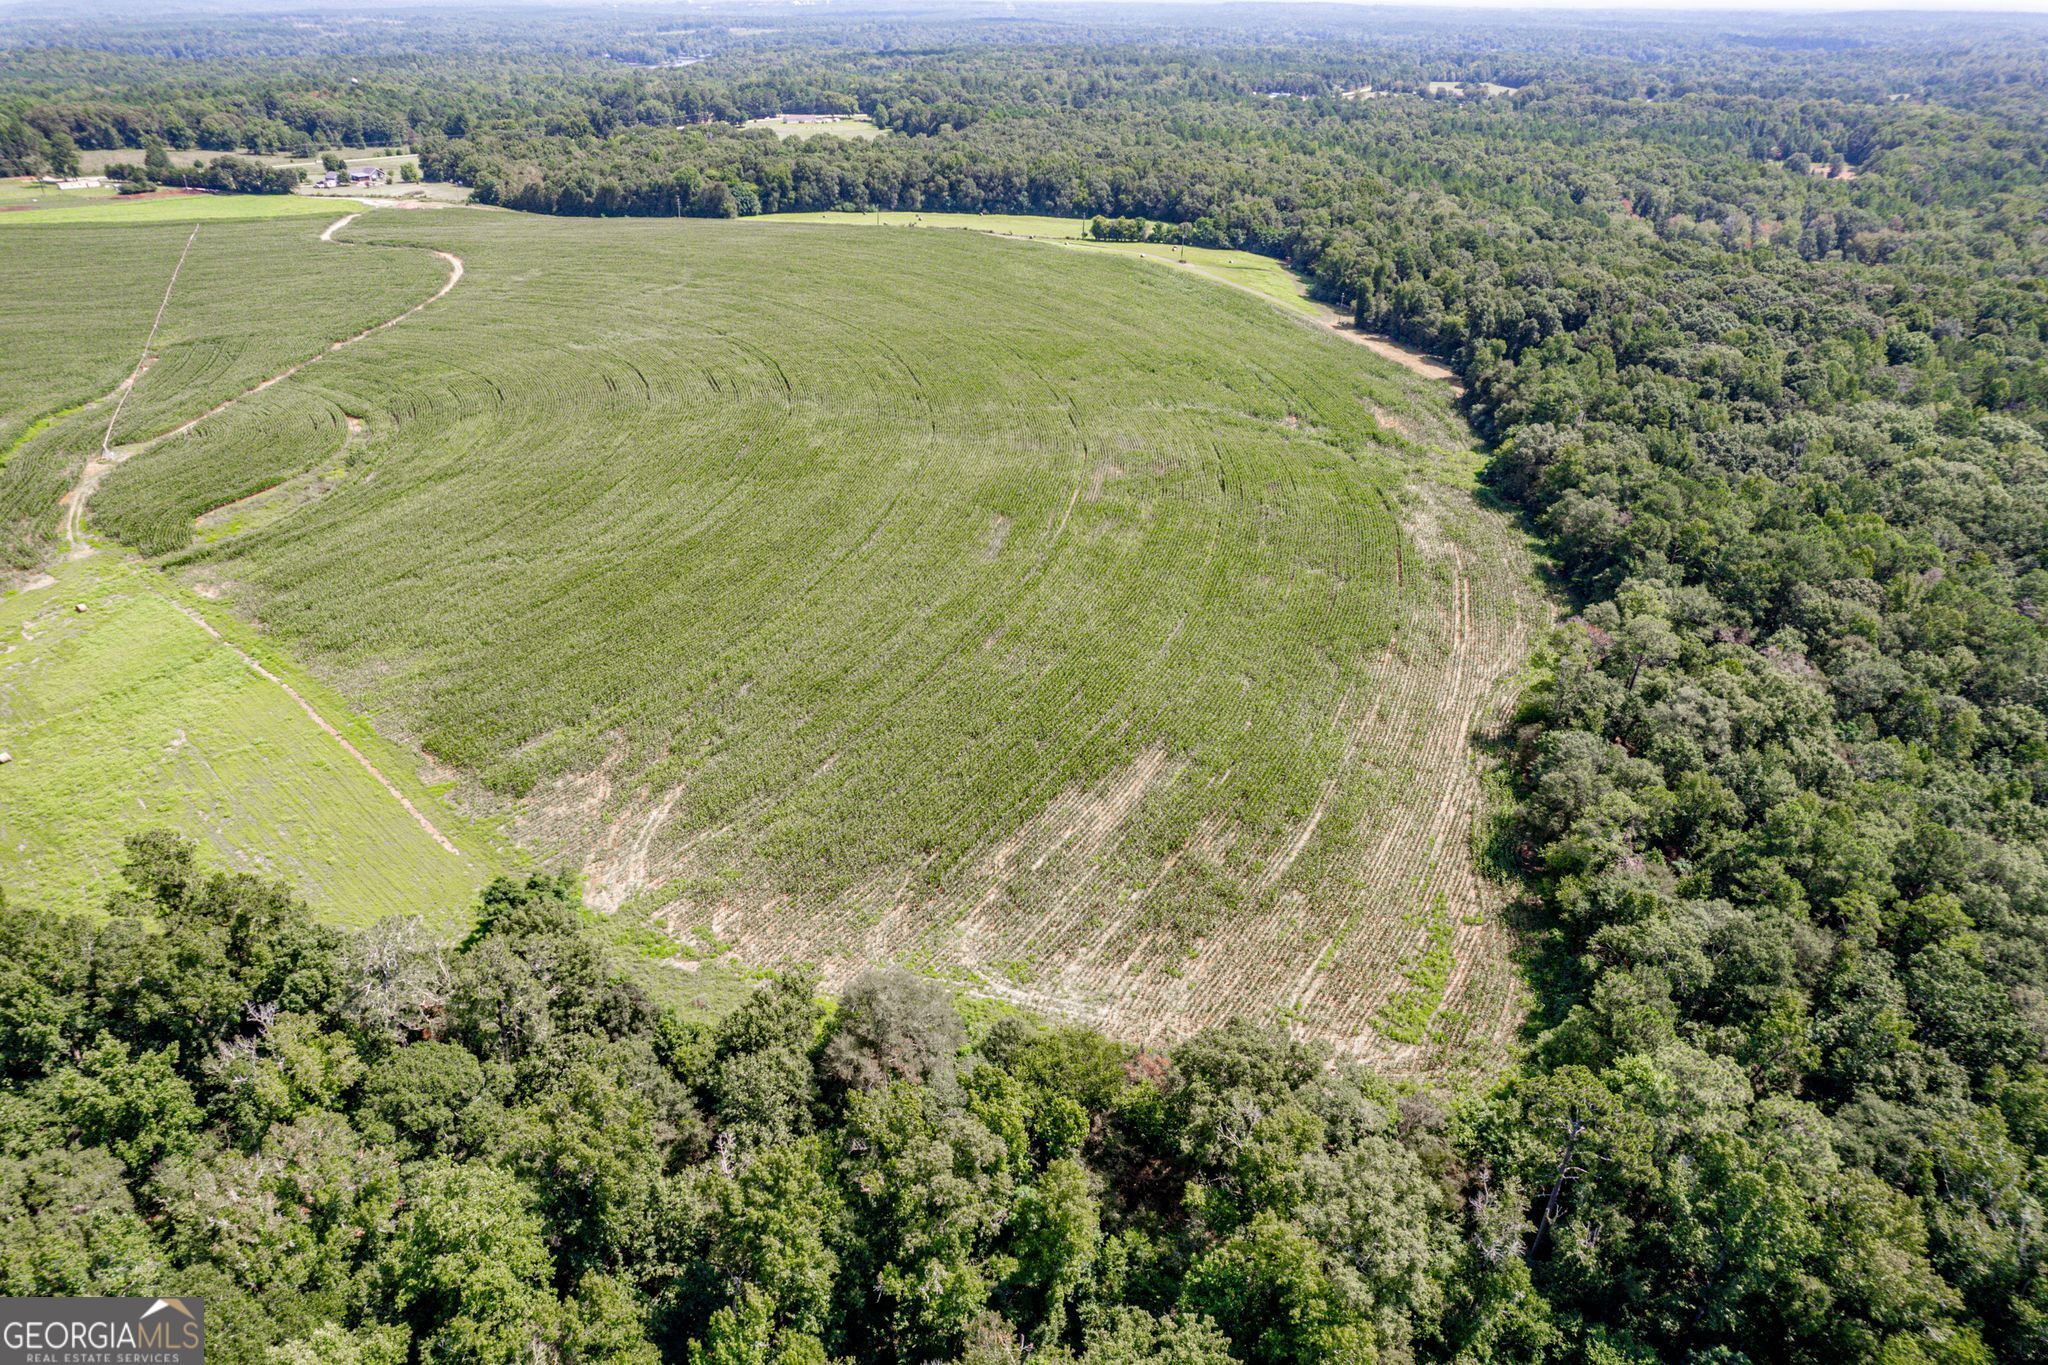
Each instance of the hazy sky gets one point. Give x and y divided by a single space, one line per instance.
1842 7
1847 9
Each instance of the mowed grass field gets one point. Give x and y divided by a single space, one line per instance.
27 205
1105 640
1262 275
857 126
129 714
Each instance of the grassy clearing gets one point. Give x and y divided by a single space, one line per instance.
19 194
1123 664
1261 275
858 126
129 714
314 167
95 160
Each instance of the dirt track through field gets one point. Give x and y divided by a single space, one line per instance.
454 278
74 509
353 752
111 455
1386 348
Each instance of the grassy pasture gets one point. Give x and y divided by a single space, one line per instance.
95 160
130 714
858 126
1261 275
48 207
27 194
1094 636
390 160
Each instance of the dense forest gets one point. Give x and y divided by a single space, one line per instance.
375 1148
1756 322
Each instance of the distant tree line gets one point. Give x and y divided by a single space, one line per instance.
226 174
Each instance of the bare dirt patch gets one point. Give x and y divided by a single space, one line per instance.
1398 424
1103 473
1407 357
998 536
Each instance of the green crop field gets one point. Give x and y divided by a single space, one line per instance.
1101 638
252 298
